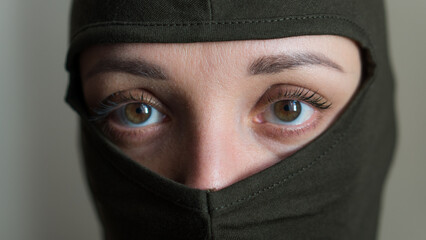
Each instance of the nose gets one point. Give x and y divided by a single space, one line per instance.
221 151
214 159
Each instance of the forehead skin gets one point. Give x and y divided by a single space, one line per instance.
220 61
210 56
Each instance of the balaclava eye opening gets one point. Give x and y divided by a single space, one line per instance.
331 189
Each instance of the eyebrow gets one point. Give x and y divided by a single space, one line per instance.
135 67
270 64
278 63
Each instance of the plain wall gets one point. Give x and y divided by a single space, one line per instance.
43 194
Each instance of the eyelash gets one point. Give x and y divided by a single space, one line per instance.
112 103
302 94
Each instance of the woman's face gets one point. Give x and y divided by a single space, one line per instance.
210 114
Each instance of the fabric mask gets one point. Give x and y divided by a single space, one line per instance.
330 189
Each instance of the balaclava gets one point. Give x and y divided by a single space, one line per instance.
330 189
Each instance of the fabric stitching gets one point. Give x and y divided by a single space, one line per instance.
280 182
210 218
211 9
118 23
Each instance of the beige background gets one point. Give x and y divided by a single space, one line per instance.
42 191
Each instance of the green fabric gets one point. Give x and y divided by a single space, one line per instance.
331 189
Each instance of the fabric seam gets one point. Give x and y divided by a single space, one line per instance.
210 219
186 24
290 176
211 10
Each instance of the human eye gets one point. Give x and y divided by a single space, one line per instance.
129 116
290 110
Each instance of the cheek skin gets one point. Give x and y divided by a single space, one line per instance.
211 140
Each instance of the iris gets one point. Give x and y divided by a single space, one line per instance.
136 115
287 110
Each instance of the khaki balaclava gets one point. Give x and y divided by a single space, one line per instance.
331 189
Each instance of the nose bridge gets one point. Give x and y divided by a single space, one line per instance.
214 147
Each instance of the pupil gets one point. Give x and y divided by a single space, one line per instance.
287 110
